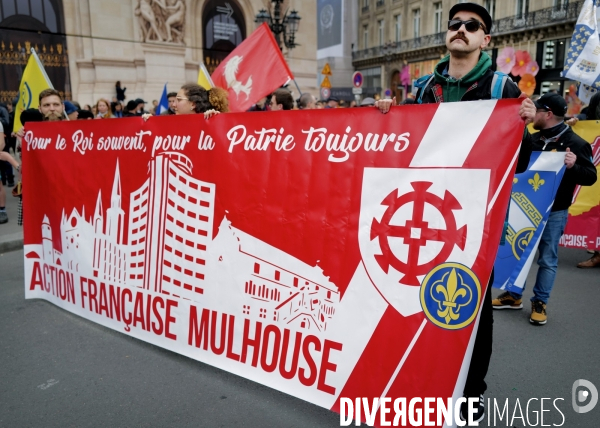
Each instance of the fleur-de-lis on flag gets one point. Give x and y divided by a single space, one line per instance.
536 182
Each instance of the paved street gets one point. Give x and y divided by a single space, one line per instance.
59 370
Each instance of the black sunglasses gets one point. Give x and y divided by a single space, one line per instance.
471 25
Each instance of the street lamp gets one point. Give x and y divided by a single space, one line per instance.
286 25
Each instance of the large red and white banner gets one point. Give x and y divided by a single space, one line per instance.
327 254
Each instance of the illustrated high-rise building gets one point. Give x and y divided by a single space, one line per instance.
170 228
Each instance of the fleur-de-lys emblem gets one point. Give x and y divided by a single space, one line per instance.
536 182
452 295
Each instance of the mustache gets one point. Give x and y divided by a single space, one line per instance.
460 36
52 114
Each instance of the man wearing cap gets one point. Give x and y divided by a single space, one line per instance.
554 136
71 110
466 75
139 111
333 102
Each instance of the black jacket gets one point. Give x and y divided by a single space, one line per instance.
582 173
482 90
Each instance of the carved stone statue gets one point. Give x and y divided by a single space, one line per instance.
161 21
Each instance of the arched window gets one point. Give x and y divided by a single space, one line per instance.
223 28
37 24
44 15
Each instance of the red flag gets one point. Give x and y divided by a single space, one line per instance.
253 70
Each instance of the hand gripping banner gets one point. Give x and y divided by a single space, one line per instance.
327 254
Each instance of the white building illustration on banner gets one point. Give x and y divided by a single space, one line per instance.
171 250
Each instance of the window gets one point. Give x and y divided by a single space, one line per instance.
365 37
380 25
490 5
365 3
417 23
398 27
372 78
437 17
554 53
561 4
522 8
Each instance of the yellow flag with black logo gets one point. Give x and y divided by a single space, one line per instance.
204 79
34 81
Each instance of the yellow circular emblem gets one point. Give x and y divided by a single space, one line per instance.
450 295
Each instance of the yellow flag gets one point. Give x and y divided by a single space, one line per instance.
204 79
34 81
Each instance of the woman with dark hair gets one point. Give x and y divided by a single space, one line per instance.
116 108
593 113
193 99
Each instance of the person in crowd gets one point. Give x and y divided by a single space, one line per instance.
4 115
87 107
193 99
120 91
353 104
307 102
333 102
3 214
282 100
154 107
116 109
555 136
261 105
6 157
592 112
51 105
103 109
468 35
320 104
367 102
130 109
140 104
85 115
29 115
6 170
71 110
172 99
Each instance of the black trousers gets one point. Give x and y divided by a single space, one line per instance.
482 349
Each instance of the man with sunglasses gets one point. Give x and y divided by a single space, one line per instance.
554 136
466 75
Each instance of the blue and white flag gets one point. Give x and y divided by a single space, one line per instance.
583 58
530 204
163 104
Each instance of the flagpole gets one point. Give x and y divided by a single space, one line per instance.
37 58
299 91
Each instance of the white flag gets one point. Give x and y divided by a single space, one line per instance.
583 59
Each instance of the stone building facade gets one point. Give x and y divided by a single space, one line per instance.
142 43
394 34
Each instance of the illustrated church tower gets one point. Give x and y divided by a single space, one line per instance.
115 215
47 241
